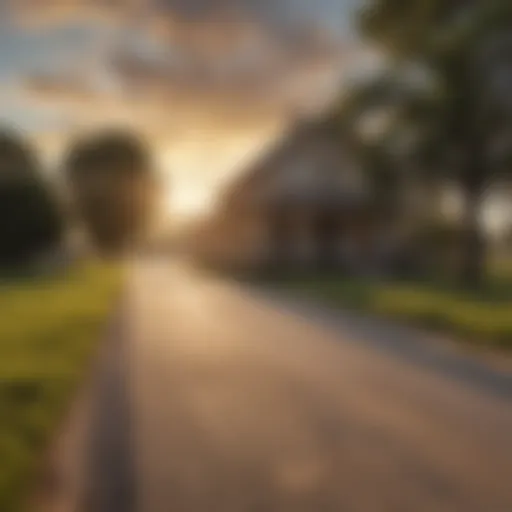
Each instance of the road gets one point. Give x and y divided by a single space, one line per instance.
216 398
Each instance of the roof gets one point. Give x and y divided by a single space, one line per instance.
321 171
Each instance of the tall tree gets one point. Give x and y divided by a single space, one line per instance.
111 177
30 218
462 47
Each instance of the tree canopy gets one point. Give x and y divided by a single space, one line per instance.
30 218
463 49
111 177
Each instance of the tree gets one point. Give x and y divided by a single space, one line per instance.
30 218
112 182
460 46
364 119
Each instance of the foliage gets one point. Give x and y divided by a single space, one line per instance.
30 219
111 177
438 247
48 330
463 50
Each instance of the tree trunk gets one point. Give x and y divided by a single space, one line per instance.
474 238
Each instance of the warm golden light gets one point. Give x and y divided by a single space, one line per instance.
195 170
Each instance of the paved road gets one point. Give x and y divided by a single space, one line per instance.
216 399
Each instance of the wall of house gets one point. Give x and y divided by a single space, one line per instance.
249 234
237 240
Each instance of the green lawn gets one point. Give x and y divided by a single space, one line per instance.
48 330
484 318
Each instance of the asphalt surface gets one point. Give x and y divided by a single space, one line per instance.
217 398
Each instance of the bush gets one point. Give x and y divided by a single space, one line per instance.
111 179
30 219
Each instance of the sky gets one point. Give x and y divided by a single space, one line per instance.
207 82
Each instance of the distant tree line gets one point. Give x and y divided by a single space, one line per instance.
109 179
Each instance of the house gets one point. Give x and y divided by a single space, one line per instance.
303 205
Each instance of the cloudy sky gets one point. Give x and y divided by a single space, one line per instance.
205 80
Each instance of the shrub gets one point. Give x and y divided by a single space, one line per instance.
30 219
112 182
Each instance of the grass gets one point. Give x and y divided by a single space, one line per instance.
483 317
48 329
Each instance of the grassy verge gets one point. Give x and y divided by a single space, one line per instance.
47 332
484 318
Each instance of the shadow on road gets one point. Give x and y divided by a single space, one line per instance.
399 342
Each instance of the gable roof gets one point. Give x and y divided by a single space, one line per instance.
253 186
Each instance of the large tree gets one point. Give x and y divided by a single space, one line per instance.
30 218
462 49
111 177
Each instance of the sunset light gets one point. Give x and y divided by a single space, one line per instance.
255 256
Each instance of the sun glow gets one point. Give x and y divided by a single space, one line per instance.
188 189
196 168
190 201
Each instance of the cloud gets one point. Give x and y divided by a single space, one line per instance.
239 60
205 60
162 109
228 56
206 28
38 13
281 13
65 88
